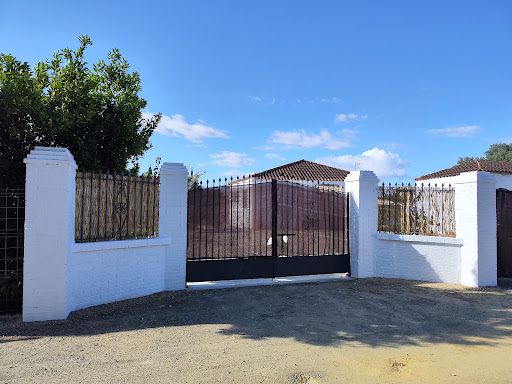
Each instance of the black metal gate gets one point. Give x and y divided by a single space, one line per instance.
504 232
12 220
266 228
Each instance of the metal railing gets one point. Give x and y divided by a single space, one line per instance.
115 207
416 210
232 219
12 219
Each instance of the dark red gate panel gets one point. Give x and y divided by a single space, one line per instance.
504 232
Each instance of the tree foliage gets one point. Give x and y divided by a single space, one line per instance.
94 112
194 180
496 152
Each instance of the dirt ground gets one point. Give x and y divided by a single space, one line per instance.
367 330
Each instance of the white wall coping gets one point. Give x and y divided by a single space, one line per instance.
173 169
361 176
421 239
51 156
118 244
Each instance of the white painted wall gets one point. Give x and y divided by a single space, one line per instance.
49 233
61 276
502 181
363 210
108 271
475 216
428 258
470 259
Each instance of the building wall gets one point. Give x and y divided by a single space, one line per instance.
502 181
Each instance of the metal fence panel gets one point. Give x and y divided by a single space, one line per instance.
12 219
416 210
115 207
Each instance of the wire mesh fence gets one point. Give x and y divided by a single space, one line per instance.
115 207
12 219
416 210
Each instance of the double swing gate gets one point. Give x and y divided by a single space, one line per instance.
257 228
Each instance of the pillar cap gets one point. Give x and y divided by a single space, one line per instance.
50 156
361 176
173 169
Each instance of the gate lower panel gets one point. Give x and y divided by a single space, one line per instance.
264 267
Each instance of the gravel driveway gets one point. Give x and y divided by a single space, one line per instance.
367 330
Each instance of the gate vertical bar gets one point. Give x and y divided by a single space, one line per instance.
83 203
135 207
106 205
243 217
225 213
114 208
333 222
121 209
206 219
90 212
218 219
274 226
99 204
128 206
213 219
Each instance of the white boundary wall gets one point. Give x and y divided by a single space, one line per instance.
428 258
469 259
61 276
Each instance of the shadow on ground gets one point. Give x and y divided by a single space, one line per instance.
374 312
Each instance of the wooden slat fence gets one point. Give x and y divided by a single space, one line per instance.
115 207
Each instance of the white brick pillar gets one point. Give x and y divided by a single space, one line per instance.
49 233
475 215
362 186
173 222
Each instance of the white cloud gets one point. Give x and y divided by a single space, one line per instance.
464 131
265 100
230 159
177 126
343 118
380 161
302 139
274 156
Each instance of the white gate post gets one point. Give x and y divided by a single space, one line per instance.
49 233
475 215
173 222
362 186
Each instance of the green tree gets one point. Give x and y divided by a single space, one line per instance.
193 180
94 112
468 159
496 152
499 152
20 114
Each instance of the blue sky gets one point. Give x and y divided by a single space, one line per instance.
400 87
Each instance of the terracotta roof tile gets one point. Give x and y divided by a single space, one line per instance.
303 170
477 165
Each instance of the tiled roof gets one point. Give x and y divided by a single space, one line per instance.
303 170
476 165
